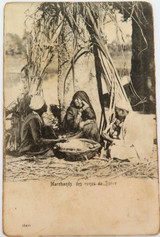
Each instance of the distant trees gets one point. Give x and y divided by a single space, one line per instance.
115 49
14 44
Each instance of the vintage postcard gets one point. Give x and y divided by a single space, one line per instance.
80 141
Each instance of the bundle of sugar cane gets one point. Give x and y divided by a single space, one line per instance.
41 46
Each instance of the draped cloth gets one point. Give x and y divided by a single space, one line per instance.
31 134
71 124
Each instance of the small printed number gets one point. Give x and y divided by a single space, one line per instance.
26 225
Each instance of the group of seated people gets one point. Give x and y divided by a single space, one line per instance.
79 122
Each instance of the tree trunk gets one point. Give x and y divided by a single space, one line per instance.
142 72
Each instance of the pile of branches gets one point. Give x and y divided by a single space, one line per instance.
31 168
114 169
133 170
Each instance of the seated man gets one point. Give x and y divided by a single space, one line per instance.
117 125
115 129
117 145
32 140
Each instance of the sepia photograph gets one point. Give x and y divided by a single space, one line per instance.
80 125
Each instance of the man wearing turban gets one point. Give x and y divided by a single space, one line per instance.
32 140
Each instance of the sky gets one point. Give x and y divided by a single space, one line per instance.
15 15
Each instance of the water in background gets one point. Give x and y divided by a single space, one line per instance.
13 80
